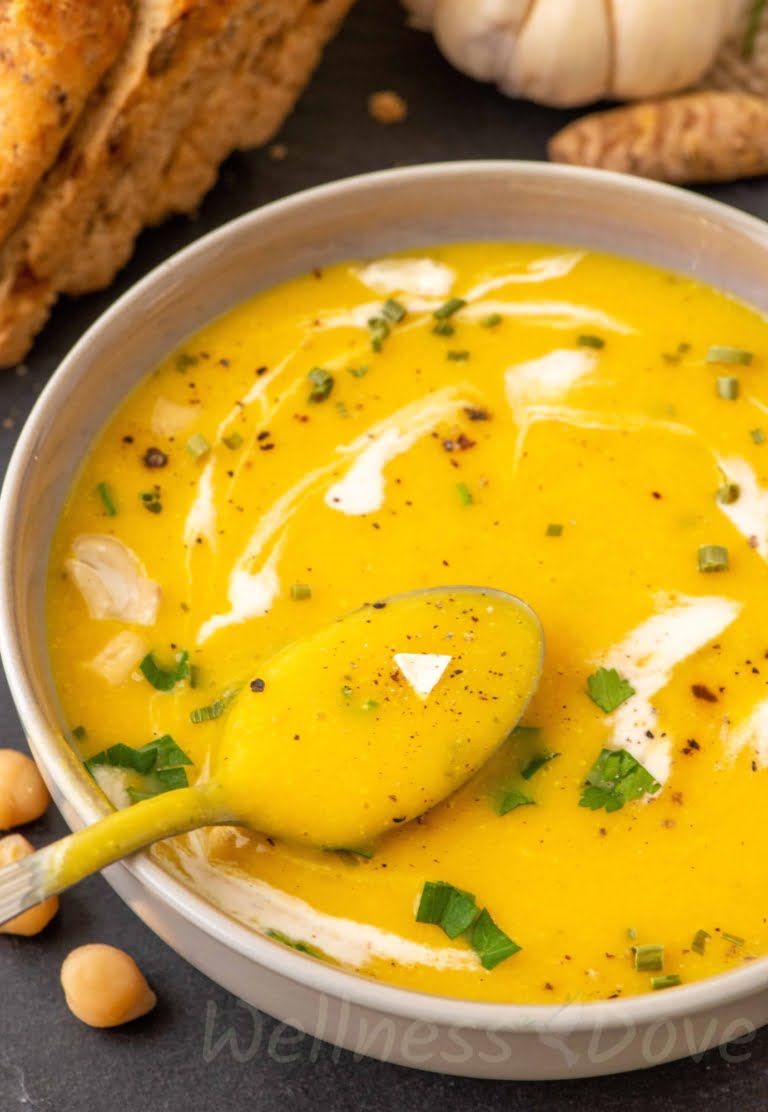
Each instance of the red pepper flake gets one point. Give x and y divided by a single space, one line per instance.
154 457
701 691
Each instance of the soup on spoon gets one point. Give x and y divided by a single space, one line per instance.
340 737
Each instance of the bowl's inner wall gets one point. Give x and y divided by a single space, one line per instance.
364 217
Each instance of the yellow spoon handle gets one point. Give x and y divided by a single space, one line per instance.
59 866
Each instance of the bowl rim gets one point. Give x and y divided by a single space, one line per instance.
85 799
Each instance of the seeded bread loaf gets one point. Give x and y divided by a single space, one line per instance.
190 81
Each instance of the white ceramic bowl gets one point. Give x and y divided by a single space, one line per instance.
363 216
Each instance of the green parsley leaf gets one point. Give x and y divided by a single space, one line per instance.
510 799
616 778
536 763
490 943
448 907
607 688
161 764
162 679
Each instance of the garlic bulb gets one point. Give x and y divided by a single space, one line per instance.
572 52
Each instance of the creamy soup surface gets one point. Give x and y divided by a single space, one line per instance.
582 431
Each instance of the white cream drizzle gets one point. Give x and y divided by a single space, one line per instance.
362 489
201 519
749 513
419 277
359 315
256 904
551 314
751 733
647 657
539 270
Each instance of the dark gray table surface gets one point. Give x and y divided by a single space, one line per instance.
48 1061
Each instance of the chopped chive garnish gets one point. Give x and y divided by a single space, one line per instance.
732 938
728 493
358 372
616 778
526 731
297 944
444 328
608 689
79 733
758 436
370 704
321 384
104 492
510 799
649 959
300 591
341 409
756 11
536 763
668 980
722 353
493 320
458 356
596 342
727 387
379 330
184 361
233 441
347 851
197 446
150 499
165 679
465 494
393 311
346 691
213 710
713 557
631 934
699 942
489 942
554 529
449 308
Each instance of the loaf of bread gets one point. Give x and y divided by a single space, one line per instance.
115 114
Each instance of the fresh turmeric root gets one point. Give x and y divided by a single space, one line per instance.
697 137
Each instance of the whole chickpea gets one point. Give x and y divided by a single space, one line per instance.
14 848
104 987
23 795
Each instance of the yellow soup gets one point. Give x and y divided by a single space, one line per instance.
581 431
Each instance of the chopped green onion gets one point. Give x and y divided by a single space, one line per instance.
449 308
322 384
753 27
616 778
370 704
608 689
732 938
713 557
596 342
162 679
492 320
727 387
649 959
722 353
300 591
346 691
358 372
444 328
104 492
197 446
631 934
489 942
758 436
379 330
393 311
554 530
526 731
668 980
233 441
536 763
364 851
728 493
151 501
215 709
458 356
297 944
699 942
510 799
465 494
341 409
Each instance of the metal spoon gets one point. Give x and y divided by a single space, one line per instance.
340 738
